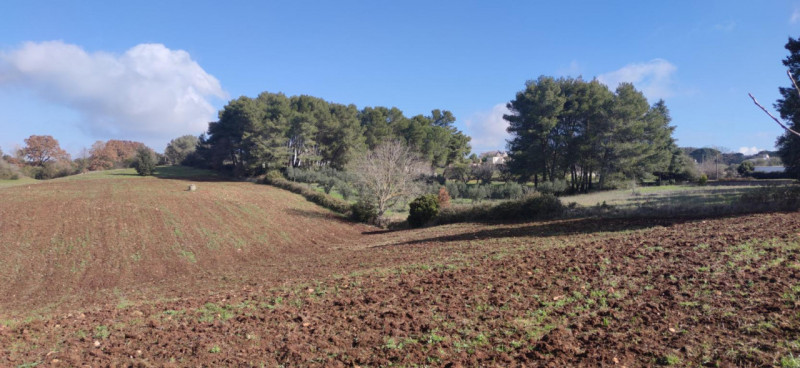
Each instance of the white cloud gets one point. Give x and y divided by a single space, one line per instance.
653 78
488 129
795 16
747 151
149 92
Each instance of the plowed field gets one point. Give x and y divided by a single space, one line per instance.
137 272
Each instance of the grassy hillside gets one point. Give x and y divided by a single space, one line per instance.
107 232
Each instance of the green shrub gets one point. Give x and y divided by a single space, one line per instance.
364 211
781 198
345 189
145 163
322 199
8 171
422 210
454 189
746 168
532 207
553 187
477 193
703 180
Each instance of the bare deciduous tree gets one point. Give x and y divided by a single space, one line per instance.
389 174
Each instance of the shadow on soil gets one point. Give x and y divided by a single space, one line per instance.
555 228
122 174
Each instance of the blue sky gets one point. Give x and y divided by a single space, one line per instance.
152 71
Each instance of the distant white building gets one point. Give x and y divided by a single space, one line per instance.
495 157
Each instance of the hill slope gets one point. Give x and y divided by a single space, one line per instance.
239 274
69 239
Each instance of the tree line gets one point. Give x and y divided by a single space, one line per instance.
273 131
582 131
43 158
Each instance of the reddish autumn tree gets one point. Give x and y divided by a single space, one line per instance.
41 149
114 153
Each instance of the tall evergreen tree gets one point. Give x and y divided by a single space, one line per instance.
273 131
789 107
576 130
534 116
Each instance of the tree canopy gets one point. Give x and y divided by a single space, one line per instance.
112 154
568 127
180 148
41 149
274 131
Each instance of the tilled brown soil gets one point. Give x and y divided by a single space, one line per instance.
588 292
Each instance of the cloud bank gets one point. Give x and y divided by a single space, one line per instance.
747 151
488 129
149 92
653 78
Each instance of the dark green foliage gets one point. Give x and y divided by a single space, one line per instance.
273 131
179 149
705 154
783 198
533 207
553 187
328 178
483 172
789 107
337 205
702 180
569 128
477 192
682 168
145 162
455 189
422 210
364 211
458 172
745 168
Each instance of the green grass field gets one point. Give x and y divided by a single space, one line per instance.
667 195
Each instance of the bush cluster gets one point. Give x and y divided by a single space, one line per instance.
364 211
422 210
50 170
533 206
8 171
322 199
782 198
145 162
328 178
553 187
478 192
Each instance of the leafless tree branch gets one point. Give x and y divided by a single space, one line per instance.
789 73
770 115
388 174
